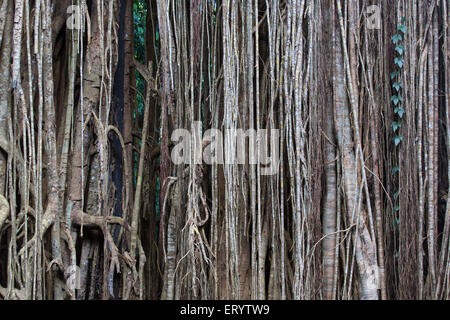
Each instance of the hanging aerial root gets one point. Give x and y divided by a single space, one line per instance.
4 210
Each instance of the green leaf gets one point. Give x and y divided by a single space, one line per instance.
397 38
400 49
400 62
398 140
396 195
395 170
402 29
396 126
396 208
394 75
398 86
399 111
396 99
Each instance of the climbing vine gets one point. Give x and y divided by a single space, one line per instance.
396 99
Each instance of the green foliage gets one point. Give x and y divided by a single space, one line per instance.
399 61
397 86
139 17
394 75
400 112
398 140
395 170
397 100
402 29
397 38
140 22
396 126
400 49
396 195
